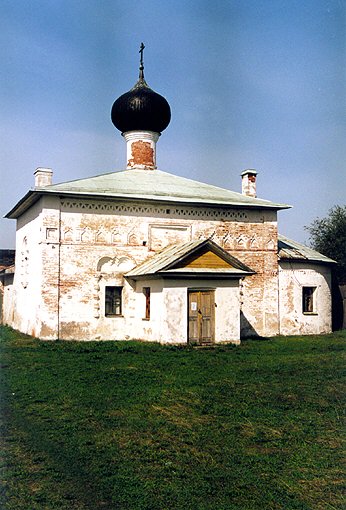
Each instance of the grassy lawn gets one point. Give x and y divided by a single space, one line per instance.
127 425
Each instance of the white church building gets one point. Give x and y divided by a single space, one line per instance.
145 254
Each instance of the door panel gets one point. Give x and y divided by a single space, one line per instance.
193 317
201 317
207 308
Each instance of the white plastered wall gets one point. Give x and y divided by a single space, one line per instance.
168 320
293 276
26 292
168 305
93 229
7 300
65 293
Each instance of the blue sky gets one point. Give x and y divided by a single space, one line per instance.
251 83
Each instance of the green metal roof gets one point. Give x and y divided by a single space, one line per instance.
292 250
157 185
146 185
164 262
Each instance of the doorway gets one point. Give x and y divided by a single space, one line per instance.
201 317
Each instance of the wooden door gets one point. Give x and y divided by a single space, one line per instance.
201 314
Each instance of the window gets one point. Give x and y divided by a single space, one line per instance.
113 301
309 305
146 292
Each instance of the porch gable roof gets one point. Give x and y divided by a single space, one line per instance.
201 258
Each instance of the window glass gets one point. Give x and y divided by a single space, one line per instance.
309 299
113 301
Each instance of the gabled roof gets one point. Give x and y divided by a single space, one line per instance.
292 250
145 185
173 261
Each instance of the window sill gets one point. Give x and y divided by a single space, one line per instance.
109 316
310 313
146 319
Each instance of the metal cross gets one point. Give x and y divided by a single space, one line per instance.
141 52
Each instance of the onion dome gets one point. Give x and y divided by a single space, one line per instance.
141 109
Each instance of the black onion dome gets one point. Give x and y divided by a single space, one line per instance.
141 109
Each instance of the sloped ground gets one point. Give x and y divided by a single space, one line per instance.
126 425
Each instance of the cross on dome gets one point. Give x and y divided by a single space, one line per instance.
141 64
141 52
141 108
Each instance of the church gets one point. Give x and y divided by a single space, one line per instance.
145 254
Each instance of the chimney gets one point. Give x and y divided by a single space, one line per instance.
43 177
248 182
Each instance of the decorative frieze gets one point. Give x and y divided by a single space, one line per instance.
154 210
52 235
67 235
158 236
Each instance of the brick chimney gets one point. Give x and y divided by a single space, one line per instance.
248 182
43 177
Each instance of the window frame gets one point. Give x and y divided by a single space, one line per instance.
147 293
117 291
309 293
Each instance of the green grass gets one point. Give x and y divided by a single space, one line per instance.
127 425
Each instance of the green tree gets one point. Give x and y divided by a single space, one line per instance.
328 236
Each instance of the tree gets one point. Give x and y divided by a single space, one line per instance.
328 236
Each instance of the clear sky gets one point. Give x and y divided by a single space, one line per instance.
251 84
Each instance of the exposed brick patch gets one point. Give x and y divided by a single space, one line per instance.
142 154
